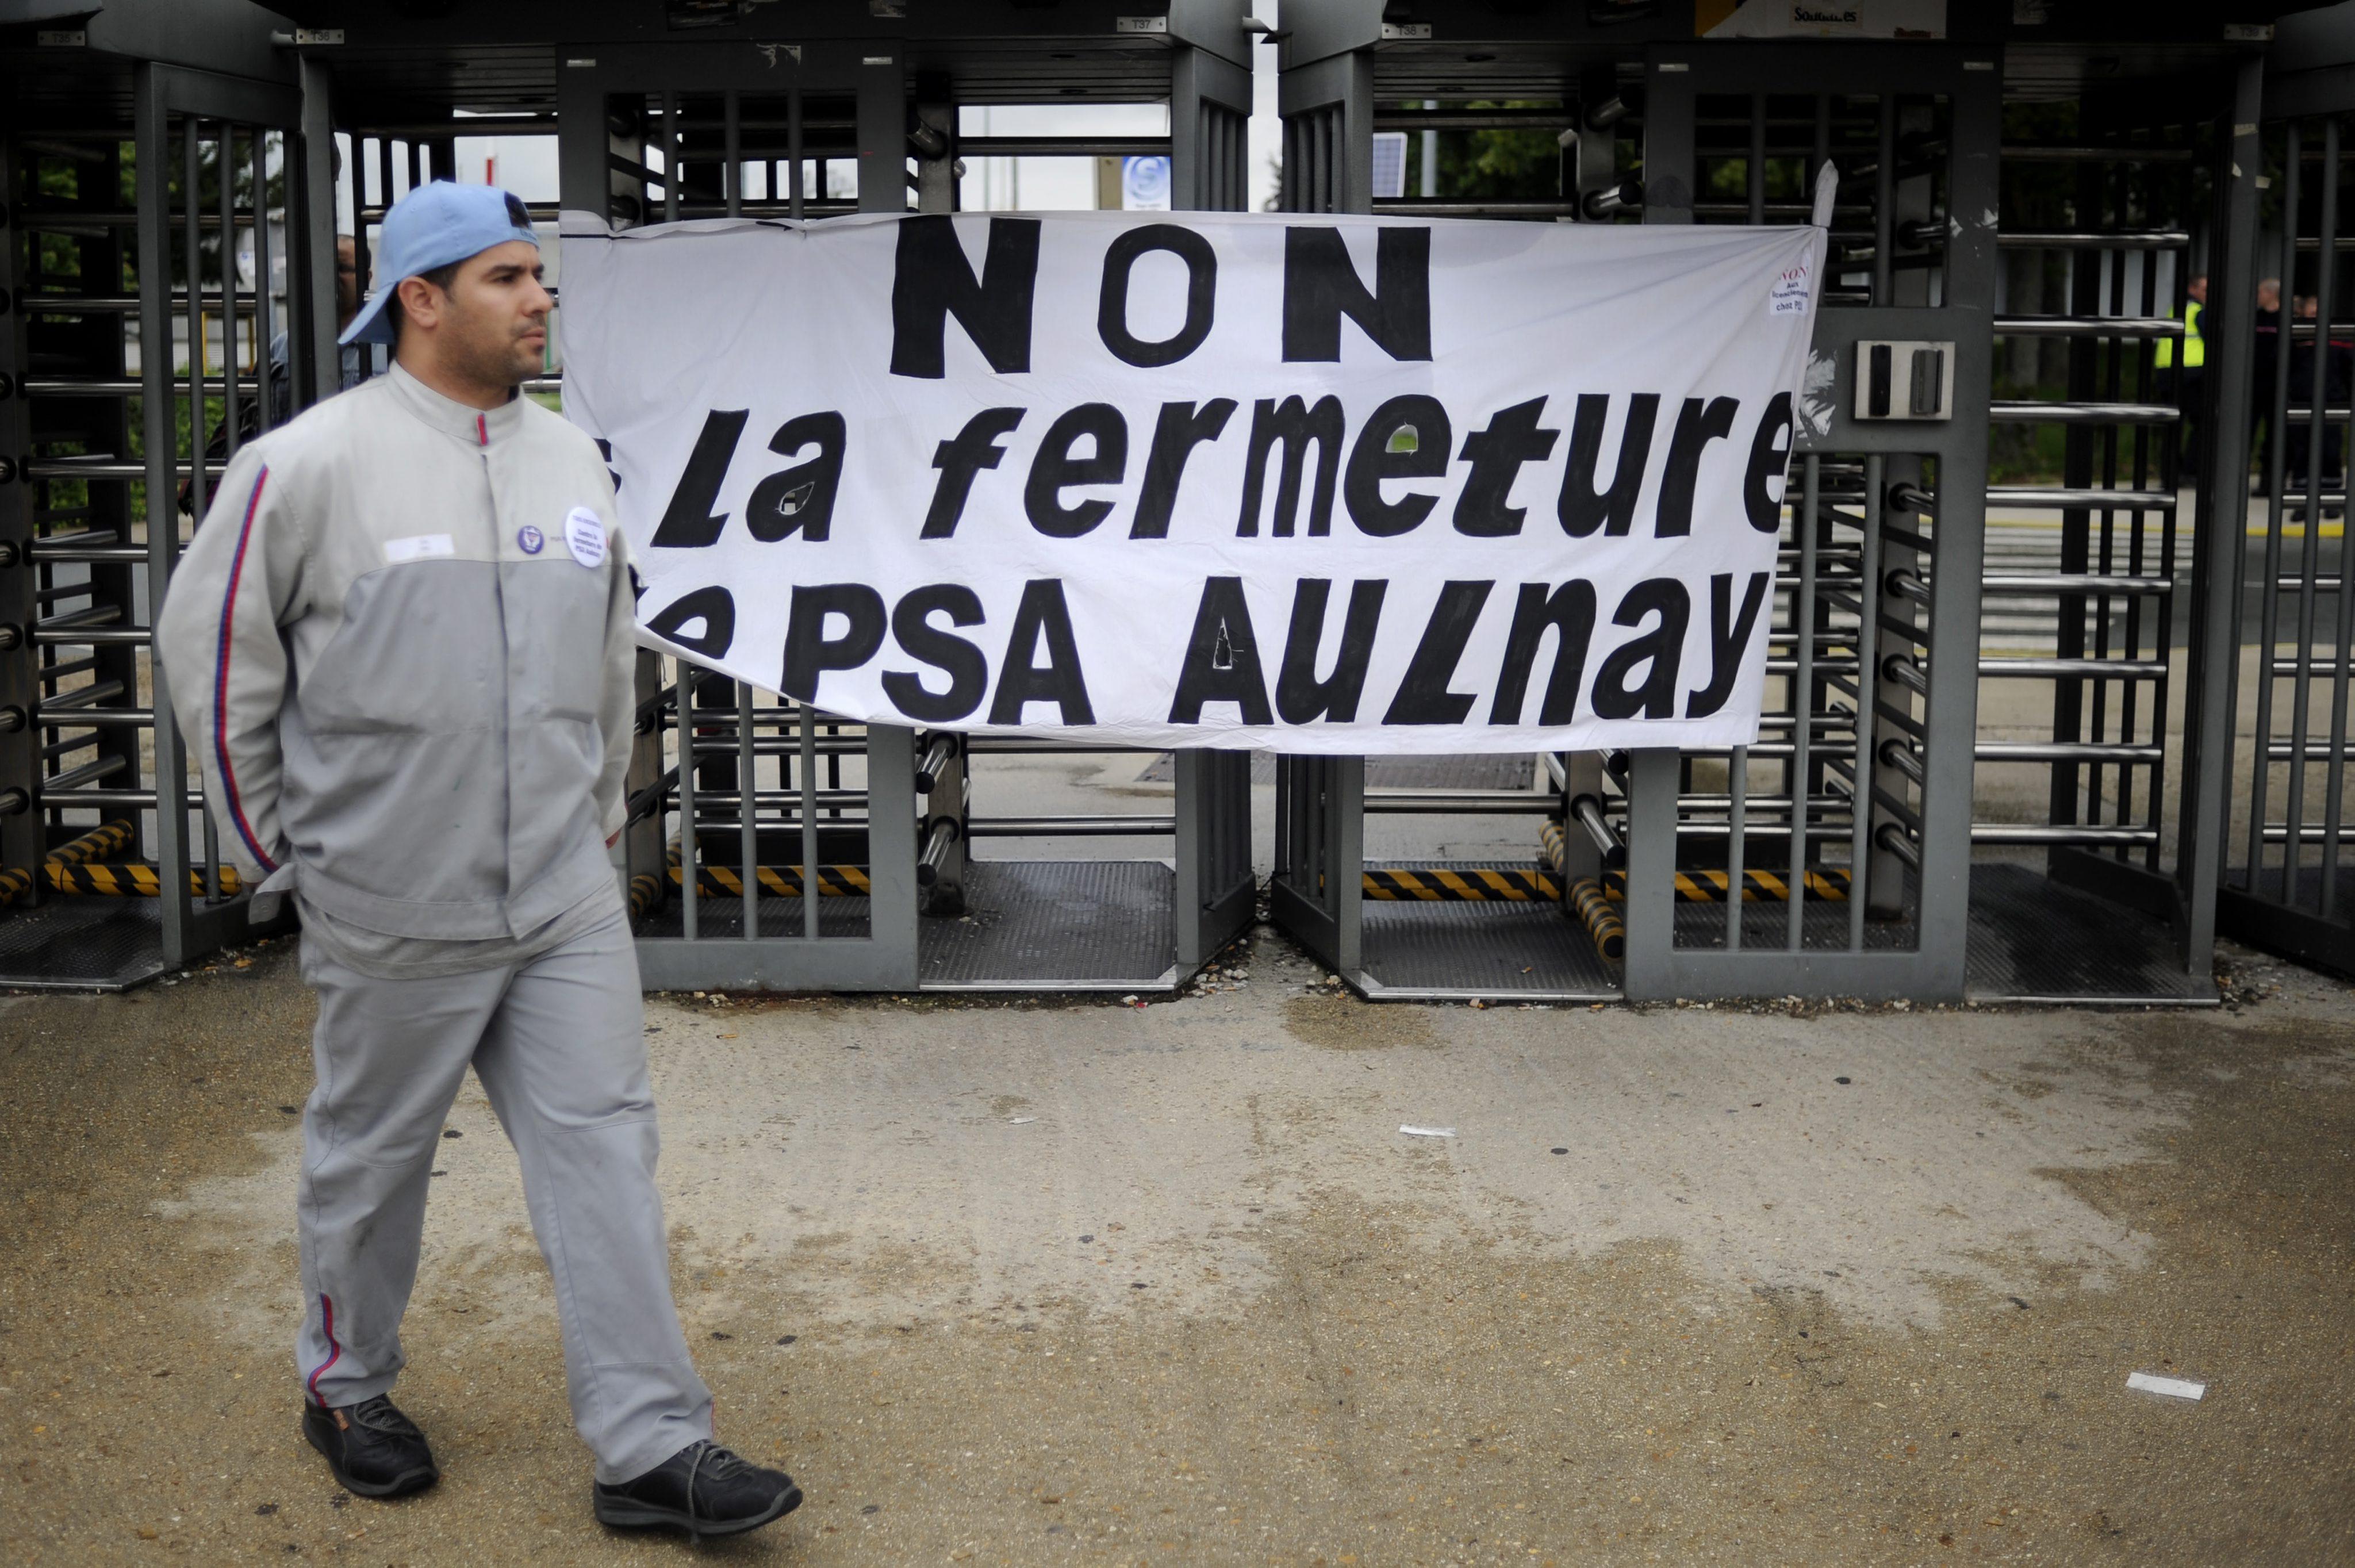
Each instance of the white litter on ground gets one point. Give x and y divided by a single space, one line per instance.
1022 1120
2174 1388
1415 1132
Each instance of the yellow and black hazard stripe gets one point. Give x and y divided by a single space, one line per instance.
1512 885
17 881
107 840
1602 922
1550 844
645 889
127 881
777 881
1757 887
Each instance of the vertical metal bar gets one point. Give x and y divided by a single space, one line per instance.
688 841
2104 551
794 180
152 137
1803 728
1348 839
191 192
311 349
1737 784
2139 475
882 168
1320 133
748 774
225 169
2276 479
1867 640
225 165
1757 169
1884 206
734 186
670 154
809 820
1949 713
2335 772
265 337
2220 533
1649 969
2318 433
1737 766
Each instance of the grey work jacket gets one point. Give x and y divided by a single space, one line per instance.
401 647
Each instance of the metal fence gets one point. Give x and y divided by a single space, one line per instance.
159 259
1999 756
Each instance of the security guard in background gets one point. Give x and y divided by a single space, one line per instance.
2185 388
402 643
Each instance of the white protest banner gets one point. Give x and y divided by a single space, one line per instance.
1308 482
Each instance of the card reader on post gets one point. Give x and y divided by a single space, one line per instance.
1904 381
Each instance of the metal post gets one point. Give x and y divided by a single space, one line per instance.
1800 774
2219 536
2276 479
265 319
690 846
152 135
882 139
22 834
312 352
747 822
1950 711
809 818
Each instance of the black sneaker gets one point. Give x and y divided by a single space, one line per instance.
373 1449
703 1490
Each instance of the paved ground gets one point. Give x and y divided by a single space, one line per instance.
1040 1284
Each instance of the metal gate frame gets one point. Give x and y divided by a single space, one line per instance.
597 161
1906 814
2285 879
172 847
918 821
1658 968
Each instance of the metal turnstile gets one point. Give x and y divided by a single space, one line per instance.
773 846
2290 887
1865 845
1409 924
165 278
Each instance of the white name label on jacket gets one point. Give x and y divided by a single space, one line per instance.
1318 483
419 547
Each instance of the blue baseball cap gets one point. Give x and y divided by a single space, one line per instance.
432 226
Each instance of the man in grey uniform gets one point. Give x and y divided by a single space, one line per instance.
401 644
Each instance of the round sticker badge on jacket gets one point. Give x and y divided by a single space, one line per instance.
584 536
530 540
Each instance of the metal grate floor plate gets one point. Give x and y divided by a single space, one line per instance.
1824 926
1512 951
2034 940
1488 769
81 945
1055 925
780 917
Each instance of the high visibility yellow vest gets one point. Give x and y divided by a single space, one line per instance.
2195 346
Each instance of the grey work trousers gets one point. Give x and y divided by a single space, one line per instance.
559 1044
